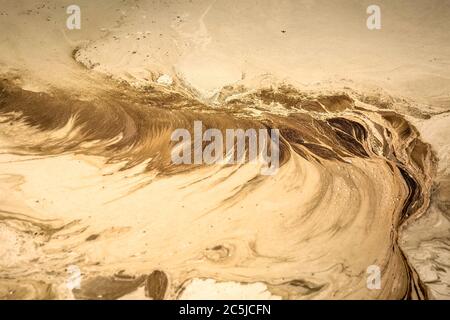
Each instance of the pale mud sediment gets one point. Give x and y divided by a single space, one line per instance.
87 183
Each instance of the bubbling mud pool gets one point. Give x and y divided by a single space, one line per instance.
87 183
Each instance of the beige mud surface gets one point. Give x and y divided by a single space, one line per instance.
88 191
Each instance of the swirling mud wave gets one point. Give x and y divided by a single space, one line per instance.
89 182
